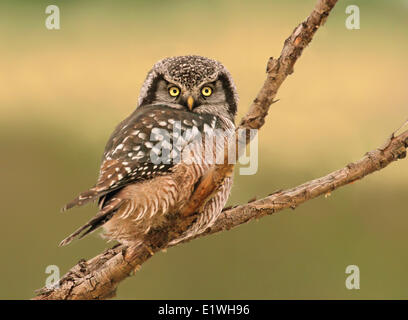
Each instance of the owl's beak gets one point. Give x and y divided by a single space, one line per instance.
190 102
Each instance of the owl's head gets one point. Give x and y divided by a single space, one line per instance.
193 83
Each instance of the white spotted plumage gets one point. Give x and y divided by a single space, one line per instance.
137 194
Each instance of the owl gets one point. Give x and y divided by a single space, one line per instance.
156 157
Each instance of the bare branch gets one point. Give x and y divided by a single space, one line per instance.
277 70
394 149
98 277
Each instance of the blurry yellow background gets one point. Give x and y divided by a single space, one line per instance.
62 92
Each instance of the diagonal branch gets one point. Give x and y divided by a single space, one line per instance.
394 149
277 70
98 277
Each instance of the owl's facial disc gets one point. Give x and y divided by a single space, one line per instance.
205 97
207 81
204 94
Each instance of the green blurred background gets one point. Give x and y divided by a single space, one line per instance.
62 92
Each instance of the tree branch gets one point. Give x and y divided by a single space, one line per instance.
98 277
375 160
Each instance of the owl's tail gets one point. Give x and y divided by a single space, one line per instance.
86 197
104 215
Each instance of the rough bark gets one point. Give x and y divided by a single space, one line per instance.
394 149
98 277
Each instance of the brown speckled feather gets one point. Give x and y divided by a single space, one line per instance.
141 179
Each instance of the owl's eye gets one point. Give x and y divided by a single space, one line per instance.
174 91
206 91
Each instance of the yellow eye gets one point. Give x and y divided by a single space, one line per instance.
206 91
174 91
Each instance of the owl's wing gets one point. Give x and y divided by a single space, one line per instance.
146 144
126 158
143 146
